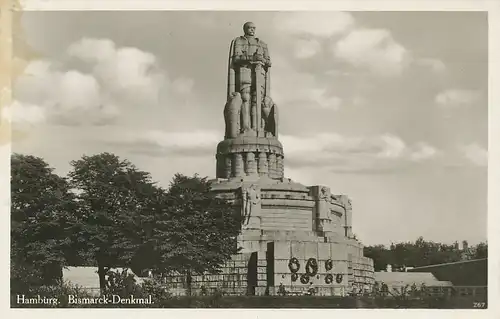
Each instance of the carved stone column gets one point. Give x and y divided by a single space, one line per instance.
219 166
263 164
238 165
279 166
272 166
228 166
251 164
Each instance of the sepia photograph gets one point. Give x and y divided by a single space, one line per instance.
249 159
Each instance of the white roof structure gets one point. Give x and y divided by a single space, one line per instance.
87 277
410 278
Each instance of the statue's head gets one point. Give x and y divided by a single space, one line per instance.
249 29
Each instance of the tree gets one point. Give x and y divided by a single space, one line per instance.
194 231
480 251
112 197
41 218
379 254
418 253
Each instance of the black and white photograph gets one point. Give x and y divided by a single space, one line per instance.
249 159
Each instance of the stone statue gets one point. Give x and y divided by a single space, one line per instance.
270 117
251 198
324 193
248 74
348 204
232 112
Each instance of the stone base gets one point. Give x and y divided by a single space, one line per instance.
268 271
289 222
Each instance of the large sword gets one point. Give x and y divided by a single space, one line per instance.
258 95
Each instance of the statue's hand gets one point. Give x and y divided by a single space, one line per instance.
258 57
257 62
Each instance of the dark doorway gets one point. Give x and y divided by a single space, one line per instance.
270 264
252 274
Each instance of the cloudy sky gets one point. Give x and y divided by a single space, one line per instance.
387 107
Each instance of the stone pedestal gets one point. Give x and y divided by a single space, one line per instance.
248 155
296 221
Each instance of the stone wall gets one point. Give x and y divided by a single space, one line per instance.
286 219
233 279
326 281
263 272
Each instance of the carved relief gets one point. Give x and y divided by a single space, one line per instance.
333 199
324 214
324 193
250 202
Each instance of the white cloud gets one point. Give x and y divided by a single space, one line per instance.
161 143
374 49
322 98
187 140
67 97
304 49
437 66
290 85
423 151
124 71
92 50
352 153
119 78
76 90
183 86
321 24
23 114
476 154
391 146
325 149
454 97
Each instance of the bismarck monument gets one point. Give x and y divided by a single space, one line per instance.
294 237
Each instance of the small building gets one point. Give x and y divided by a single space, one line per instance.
87 278
397 281
469 277
461 273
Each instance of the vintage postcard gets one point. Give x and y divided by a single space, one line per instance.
250 157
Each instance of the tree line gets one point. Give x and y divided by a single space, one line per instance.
107 213
422 253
